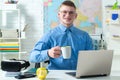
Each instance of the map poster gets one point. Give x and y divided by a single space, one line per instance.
89 15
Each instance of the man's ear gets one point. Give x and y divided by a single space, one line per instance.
58 14
76 15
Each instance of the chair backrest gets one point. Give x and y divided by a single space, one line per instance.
37 65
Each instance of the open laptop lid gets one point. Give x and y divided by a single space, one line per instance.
94 62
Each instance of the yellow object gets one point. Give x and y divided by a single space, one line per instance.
41 73
107 21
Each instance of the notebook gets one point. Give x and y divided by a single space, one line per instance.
94 63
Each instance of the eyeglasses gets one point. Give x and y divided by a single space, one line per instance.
69 12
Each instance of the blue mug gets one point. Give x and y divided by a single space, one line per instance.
114 16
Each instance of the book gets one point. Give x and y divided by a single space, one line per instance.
9 33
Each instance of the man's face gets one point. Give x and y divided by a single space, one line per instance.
67 14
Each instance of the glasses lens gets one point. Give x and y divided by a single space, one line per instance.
69 12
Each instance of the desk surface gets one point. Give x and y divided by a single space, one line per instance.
61 75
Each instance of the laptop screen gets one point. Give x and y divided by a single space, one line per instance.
94 62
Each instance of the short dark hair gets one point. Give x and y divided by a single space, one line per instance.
68 3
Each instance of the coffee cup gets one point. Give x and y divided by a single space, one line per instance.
66 52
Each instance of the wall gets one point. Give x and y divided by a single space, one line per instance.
106 30
32 14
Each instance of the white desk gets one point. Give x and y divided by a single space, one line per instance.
61 75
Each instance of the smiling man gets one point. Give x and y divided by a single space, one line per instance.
65 34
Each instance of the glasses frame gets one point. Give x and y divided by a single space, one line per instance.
64 12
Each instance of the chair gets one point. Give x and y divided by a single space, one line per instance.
37 65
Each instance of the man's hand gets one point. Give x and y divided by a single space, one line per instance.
54 52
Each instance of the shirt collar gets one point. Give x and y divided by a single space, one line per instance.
63 28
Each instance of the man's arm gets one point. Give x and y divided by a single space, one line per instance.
42 55
39 53
43 50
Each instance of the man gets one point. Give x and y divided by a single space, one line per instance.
65 34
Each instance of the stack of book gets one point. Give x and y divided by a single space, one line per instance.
9 47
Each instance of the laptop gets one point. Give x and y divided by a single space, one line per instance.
92 63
